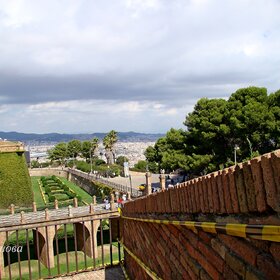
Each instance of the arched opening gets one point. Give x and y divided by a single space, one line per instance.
20 252
73 246
107 244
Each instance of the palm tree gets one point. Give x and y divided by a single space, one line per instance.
109 141
94 145
93 148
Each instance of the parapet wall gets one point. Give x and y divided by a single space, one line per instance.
250 187
11 147
247 194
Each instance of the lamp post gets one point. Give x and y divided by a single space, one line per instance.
74 158
90 156
235 149
147 166
130 181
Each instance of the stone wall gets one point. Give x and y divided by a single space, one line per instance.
11 147
248 193
48 172
83 183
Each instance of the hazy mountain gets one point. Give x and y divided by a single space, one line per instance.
57 137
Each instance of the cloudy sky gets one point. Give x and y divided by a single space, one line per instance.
96 65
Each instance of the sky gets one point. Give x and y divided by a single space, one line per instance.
83 66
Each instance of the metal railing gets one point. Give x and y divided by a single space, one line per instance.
119 187
59 247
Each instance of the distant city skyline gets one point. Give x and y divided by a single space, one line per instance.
74 66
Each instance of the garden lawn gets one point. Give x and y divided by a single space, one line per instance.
63 266
84 195
38 197
37 193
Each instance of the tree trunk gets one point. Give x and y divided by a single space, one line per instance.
109 157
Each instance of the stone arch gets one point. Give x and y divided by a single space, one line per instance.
43 237
45 244
54 239
87 237
3 240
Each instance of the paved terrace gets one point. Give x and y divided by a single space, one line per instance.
114 273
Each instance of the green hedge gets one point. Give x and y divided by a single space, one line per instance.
56 189
101 190
62 196
15 182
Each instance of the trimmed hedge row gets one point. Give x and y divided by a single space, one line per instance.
55 189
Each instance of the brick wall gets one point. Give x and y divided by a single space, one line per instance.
247 193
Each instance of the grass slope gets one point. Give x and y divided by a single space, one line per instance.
63 266
37 193
84 195
15 183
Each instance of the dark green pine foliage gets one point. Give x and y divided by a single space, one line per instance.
249 119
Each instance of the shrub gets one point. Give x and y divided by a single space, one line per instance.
51 198
98 161
55 188
70 194
47 189
61 196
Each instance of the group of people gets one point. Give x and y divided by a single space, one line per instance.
120 201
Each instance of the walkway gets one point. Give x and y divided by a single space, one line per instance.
54 214
113 273
123 187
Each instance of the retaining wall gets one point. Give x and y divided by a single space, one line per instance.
48 172
248 193
83 183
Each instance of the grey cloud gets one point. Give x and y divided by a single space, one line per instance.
157 51
36 89
15 89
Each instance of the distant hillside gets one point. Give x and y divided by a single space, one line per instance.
15 183
57 137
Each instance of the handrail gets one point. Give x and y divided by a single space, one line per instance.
82 230
120 187
63 220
